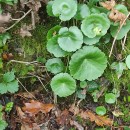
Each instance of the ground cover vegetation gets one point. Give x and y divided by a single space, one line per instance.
64 65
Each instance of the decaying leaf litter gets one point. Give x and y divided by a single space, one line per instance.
35 109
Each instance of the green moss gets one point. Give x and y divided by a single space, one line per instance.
125 110
30 47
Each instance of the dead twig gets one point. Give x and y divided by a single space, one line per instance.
18 20
23 62
117 34
25 89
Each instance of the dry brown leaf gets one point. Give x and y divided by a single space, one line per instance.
117 113
74 109
76 124
26 127
63 118
5 18
117 16
99 120
108 4
24 31
114 15
20 113
35 107
34 5
34 126
2 29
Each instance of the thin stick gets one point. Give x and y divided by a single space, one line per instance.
39 78
18 20
23 62
25 88
124 41
117 34
33 19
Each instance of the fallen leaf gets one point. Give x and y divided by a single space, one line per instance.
5 18
35 107
108 4
2 29
23 116
34 4
20 113
26 127
117 113
99 120
24 31
117 16
76 124
114 15
74 109
34 126
63 118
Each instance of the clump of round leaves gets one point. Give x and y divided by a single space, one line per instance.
70 39
63 85
87 63
64 9
82 12
124 30
53 32
128 61
55 65
54 48
101 110
95 25
110 98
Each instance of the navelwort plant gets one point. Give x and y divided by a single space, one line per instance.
78 42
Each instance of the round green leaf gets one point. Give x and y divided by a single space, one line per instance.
95 25
88 63
121 8
53 32
65 10
128 61
82 11
55 65
70 39
91 41
94 10
53 47
110 98
83 84
63 85
124 30
49 8
101 110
